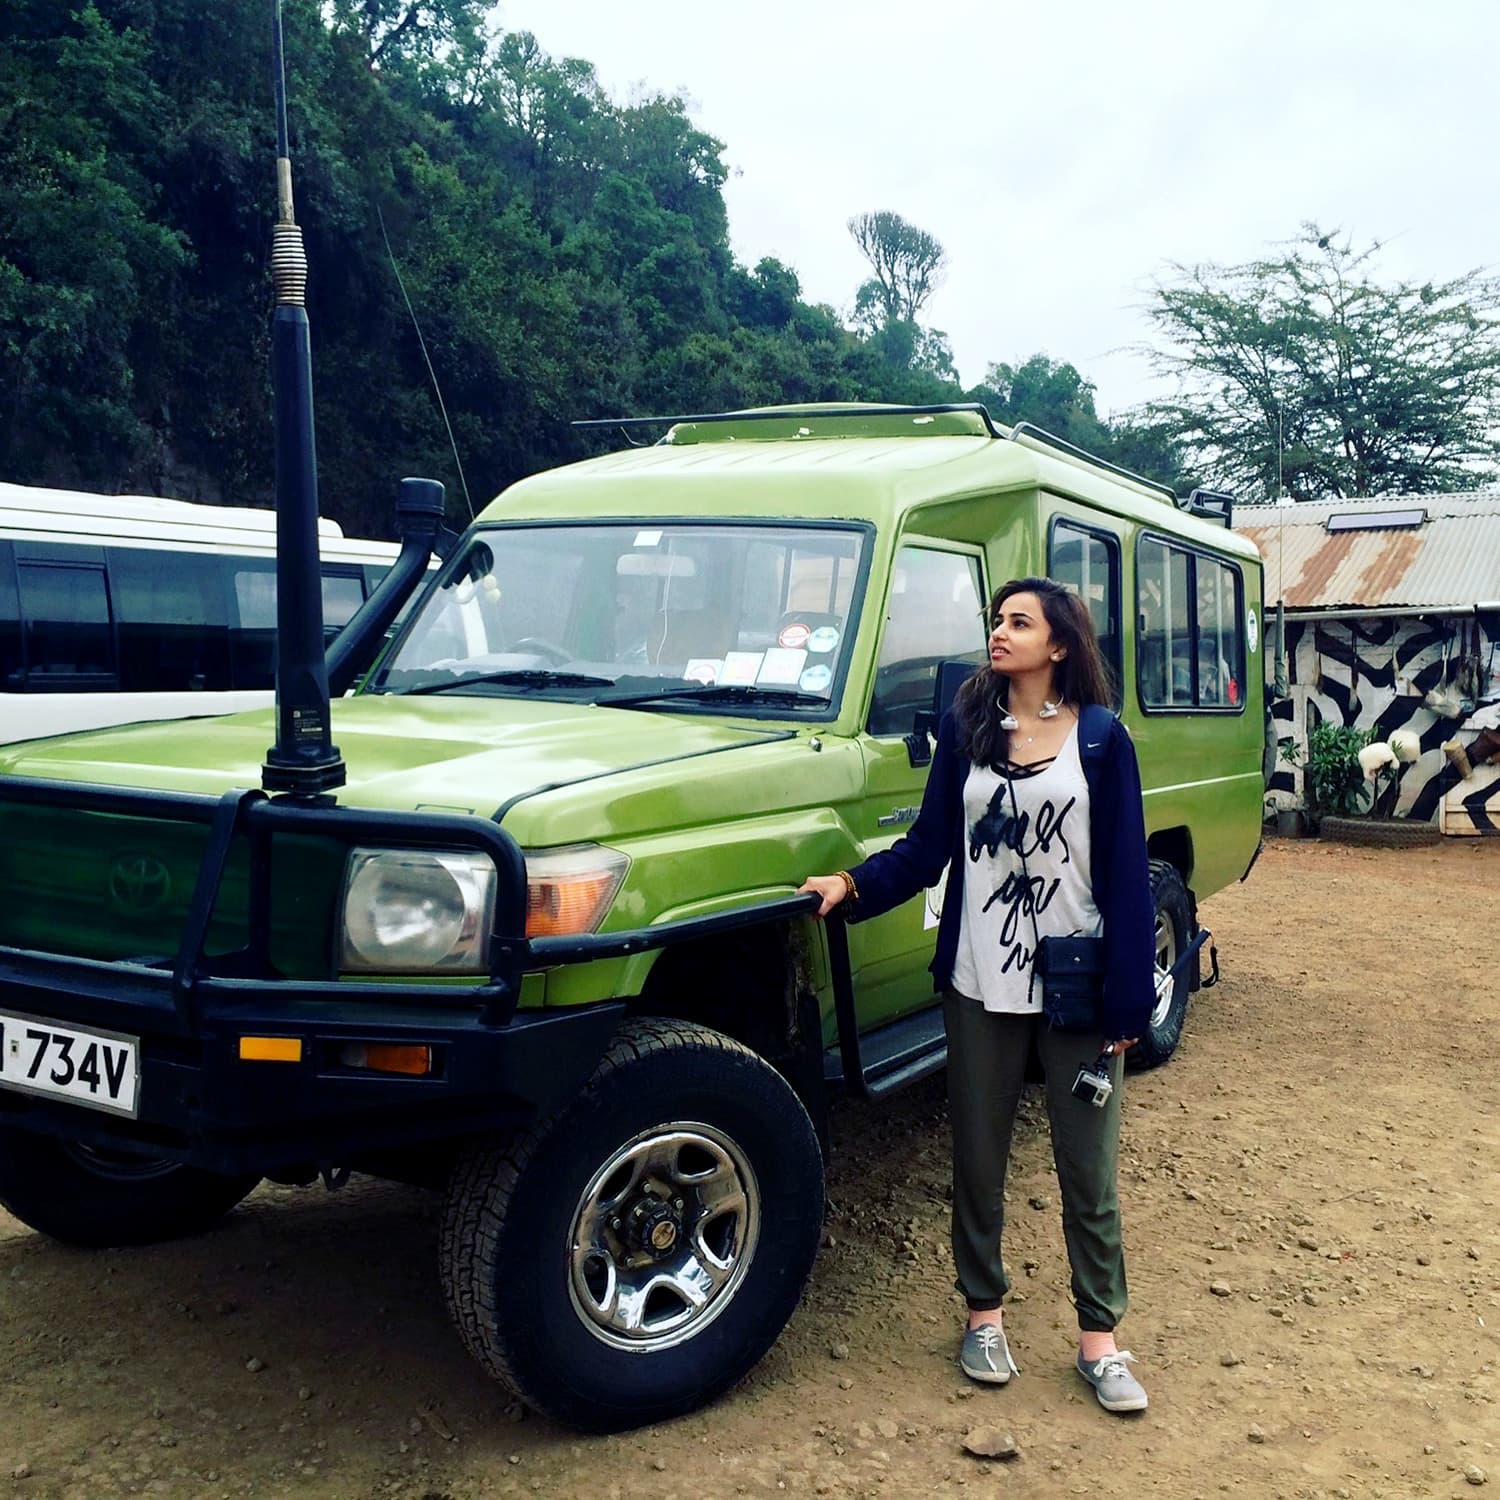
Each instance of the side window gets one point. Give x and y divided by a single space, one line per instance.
934 614
173 621
1190 646
12 664
343 593
1219 659
252 629
1089 562
65 618
253 622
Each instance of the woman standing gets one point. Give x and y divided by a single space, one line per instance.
1039 836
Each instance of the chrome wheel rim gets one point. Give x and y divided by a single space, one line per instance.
662 1237
1166 956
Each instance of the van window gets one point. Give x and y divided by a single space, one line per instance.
934 614
1219 674
65 615
1190 647
12 672
1089 562
174 634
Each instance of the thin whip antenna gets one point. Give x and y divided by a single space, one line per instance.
437 390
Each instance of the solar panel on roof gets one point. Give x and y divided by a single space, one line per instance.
1375 520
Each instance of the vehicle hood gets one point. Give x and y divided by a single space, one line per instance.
450 754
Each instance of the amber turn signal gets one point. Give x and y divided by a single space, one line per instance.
387 1057
270 1049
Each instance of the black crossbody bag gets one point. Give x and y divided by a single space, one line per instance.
1071 969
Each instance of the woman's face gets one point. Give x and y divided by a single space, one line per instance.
1021 640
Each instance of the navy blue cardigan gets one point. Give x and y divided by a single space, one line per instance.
1117 857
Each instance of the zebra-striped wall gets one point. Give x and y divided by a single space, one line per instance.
1373 674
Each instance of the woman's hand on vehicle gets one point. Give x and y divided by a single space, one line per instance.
831 888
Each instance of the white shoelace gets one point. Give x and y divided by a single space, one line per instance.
989 1338
1114 1365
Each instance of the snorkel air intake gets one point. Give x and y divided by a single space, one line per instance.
304 761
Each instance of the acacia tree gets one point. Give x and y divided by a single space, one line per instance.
1303 374
908 263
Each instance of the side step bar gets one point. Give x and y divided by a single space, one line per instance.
888 1058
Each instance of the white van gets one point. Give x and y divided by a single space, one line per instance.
121 608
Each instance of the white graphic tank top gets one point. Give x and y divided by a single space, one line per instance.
1045 815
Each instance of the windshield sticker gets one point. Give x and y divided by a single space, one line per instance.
648 539
704 669
740 668
824 638
794 636
816 678
1252 631
781 668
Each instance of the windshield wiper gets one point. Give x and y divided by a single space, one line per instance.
527 677
727 692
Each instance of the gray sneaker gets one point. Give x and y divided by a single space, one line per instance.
985 1356
1114 1385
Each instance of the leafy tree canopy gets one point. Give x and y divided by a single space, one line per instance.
908 264
567 255
1303 373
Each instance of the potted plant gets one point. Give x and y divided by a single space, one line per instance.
1334 779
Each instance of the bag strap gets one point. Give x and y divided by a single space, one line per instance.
1095 721
1030 895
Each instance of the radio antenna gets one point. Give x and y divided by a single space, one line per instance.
437 390
304 761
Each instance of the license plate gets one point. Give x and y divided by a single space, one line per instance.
99 1069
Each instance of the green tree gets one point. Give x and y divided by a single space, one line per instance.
1303 373
908 264
81 256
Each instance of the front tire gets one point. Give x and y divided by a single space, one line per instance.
98 1198
637 1254
1174 924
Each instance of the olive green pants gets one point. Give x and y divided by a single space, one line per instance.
987 1054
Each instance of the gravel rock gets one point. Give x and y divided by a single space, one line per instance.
1474 1474
1221 1288
990 1442
1306 1242
838 1351
23 1471
1256 1433
255 1364
1229 1359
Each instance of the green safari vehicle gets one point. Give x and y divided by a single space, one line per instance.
542 951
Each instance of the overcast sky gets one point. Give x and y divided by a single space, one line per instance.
1064 153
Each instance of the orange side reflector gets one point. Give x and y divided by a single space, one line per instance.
387 1057
270 1049
567 904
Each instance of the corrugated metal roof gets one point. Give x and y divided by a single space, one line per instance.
1452 560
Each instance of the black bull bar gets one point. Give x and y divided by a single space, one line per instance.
494 1066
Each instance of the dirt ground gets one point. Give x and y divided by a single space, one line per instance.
1312 1215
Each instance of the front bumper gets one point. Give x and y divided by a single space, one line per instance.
493 1066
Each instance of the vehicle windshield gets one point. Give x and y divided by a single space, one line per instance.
605 610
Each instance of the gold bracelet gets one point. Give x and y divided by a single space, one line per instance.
851 891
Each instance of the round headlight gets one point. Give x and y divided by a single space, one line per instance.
414 910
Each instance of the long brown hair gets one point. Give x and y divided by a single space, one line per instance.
1080 677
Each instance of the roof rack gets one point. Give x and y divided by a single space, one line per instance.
1030 429
783 413
877 409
